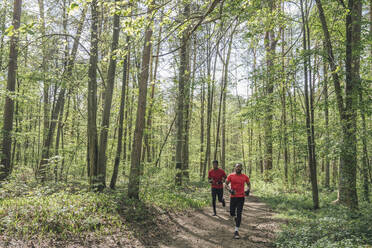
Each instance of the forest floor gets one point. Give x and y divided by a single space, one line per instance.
198 228
187 229
201 229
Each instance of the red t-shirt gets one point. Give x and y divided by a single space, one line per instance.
217 176
237 183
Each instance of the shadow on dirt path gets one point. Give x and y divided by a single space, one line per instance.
201 229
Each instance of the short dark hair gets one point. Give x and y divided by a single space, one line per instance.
215 162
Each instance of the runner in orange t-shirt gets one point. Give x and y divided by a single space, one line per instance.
216 177
237 180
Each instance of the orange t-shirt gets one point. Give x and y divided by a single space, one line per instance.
237 183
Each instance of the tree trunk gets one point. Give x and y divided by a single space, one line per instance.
365 159
224 93
44 68
148 135
121 116
326 116
105 124
347 184
6 169
309 126
202 101
95 179
270 45
284 109
3 23
347 112
134 177
183 85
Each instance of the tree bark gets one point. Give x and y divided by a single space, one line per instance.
44 68
124 87
148 140
3 22
105 124
202 102
183 85
326 116
6 168
134 177
347 112
270 46
95 178
309 124
224 93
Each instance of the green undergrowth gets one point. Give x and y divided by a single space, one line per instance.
57 213
330 226
67 211
159 189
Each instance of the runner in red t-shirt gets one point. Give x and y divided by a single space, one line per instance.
216 177
237 180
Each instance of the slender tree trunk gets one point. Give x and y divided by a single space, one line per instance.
202 101
284 112
224 93
326 116
134 177
270 45
6 169
2 29
309 129
183 94
95 179
44 68
126 107
121 117
157 163
210 93
148 140
189 110
130 123
218 123
102 159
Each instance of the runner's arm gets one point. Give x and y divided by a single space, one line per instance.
224 178
249 185
228 188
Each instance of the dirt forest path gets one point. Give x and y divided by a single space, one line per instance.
201 229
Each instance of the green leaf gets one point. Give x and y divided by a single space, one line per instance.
9 31
72 7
